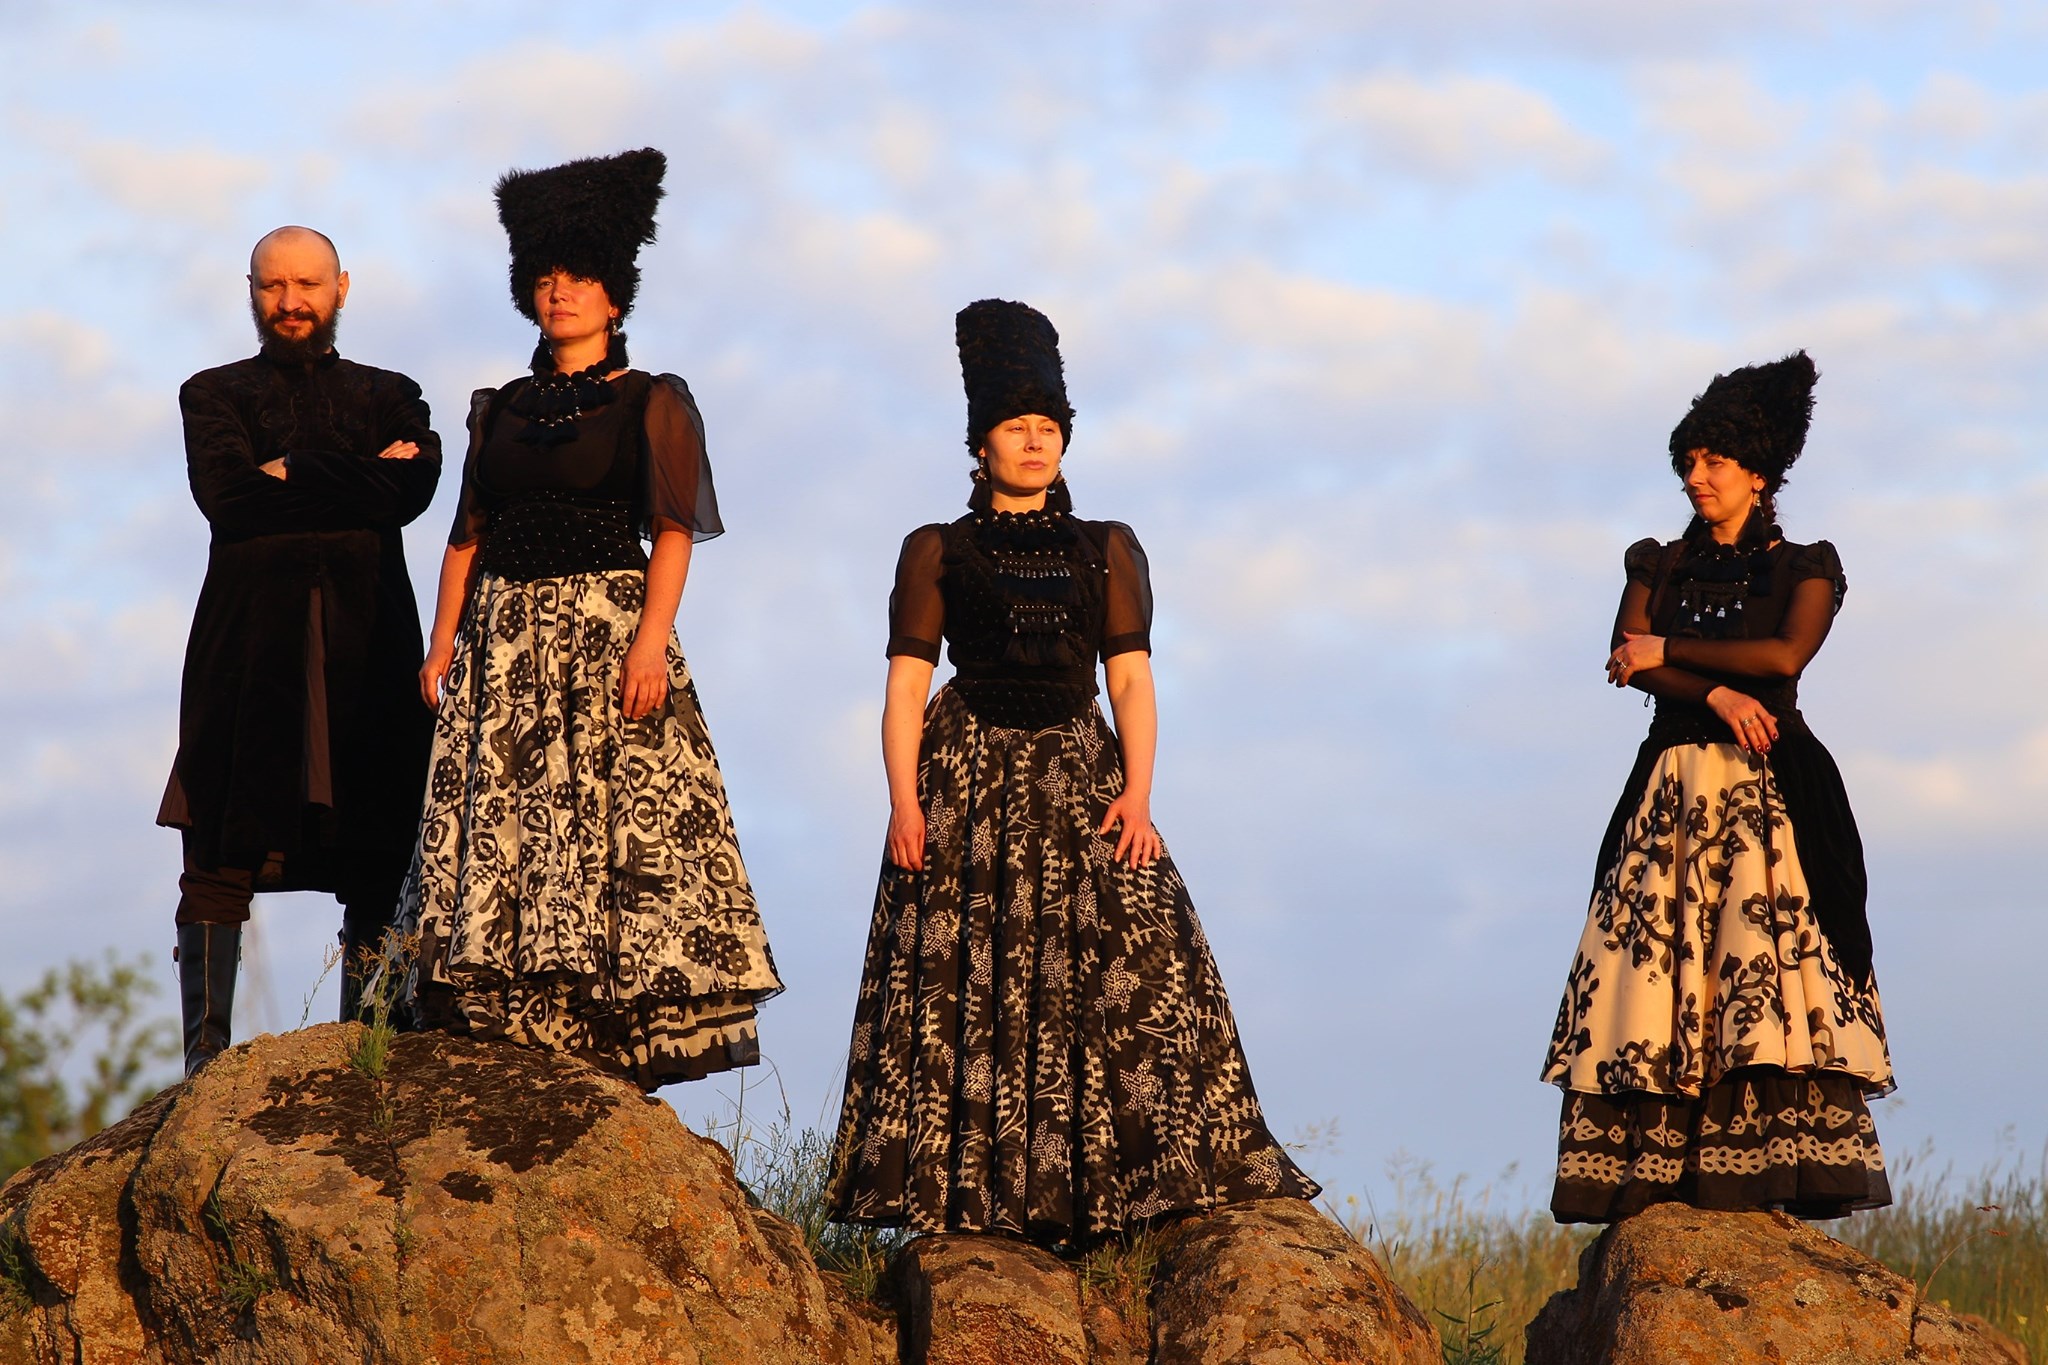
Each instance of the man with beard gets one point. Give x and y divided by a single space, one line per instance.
302 743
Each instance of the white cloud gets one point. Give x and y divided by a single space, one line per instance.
198 184
1458 128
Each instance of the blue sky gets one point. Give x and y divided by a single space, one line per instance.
1376 316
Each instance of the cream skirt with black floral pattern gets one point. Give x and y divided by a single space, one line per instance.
578 885
1710 1046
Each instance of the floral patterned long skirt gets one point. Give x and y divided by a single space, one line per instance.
1710 1047
1042 1044
578 885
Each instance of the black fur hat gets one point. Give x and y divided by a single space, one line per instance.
1756 416
588 217
1010 363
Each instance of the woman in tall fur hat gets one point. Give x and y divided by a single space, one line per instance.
578 885
1042 1045
1721 1034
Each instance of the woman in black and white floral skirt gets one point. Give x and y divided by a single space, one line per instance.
1721 1034
578 885
1042 1044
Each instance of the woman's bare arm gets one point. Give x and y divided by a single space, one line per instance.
910 684
1136 708
451 598
645 678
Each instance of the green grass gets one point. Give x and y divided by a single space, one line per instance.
1481 1272
1478 1270
1977 1244
243 1283
17 1294
784 1169
1120 1273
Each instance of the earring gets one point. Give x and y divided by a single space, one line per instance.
980 474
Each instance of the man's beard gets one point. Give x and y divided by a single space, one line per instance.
304 350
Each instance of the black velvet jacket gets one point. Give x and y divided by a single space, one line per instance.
302 740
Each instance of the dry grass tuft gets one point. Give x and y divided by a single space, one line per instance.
1481 1272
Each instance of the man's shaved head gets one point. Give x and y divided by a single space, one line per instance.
296 290
295 239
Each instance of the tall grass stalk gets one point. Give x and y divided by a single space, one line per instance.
1478 1268
1977 1244
785 1169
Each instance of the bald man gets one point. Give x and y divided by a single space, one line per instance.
302 743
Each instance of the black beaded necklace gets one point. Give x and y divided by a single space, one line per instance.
551 401
1714 579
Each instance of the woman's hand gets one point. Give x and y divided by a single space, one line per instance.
400 450
434 672
906 837
645 679
1137 843
1636 652
1754 726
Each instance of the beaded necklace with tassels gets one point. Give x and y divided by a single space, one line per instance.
1714 580
551 401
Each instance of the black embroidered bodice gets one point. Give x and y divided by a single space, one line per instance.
1026 603
552 496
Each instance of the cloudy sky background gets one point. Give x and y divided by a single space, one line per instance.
1376 316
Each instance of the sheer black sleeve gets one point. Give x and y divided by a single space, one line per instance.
379 491
1127 625
470 518
917 610
1672 684
1817 593
679 494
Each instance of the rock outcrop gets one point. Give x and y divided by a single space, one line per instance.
971 1300
1681 1286
1267 1283
1277 1283
303 1200
471 1203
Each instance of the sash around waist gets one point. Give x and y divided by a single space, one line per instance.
553 537
1015 703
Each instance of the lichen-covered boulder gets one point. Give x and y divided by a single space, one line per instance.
468 1202
1676 1285
1274 1282
974 1300
65 1295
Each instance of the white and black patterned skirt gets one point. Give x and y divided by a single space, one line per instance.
1042 1044
578 885
1711 1047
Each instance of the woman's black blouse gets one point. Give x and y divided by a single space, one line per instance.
544 510
1025 603
1728 593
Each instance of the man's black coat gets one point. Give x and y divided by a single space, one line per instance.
302 740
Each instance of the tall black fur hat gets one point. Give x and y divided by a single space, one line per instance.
588 217
1756 416
1010 363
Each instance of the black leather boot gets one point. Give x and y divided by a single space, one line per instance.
207 957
